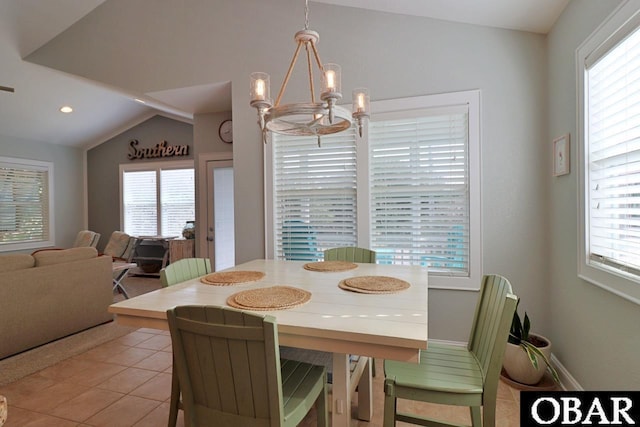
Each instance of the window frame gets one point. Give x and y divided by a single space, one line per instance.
472 99
157 167
622 22
50 238
363 197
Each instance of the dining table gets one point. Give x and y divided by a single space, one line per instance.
341 320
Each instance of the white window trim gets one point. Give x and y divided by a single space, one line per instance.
147 166
48 166
470 97
619 24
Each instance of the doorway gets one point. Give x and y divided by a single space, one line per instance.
217 239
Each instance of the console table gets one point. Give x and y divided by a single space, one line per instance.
181 248
151 250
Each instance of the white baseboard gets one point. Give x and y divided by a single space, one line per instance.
456 343
567 382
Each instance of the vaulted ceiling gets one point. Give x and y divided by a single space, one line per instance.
32 113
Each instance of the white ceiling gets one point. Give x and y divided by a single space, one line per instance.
536 16
32 112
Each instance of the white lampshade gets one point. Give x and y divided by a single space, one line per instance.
331 79
361 101
260 87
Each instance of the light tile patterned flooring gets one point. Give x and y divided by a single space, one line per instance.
127 382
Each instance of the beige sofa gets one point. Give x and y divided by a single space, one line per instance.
51 294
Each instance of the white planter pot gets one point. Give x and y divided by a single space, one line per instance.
518 366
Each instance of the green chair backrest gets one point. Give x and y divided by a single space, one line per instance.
490 329
351 254
183 270
229 366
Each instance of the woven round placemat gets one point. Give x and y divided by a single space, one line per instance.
330 266
227 278
374 284
271 298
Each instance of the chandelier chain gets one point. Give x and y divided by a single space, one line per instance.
306 14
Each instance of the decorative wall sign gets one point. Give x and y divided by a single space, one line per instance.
561 165
160 150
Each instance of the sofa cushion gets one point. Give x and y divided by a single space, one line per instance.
16 262
65 255
86 238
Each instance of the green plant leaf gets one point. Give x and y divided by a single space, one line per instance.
526 327
515 334
533 352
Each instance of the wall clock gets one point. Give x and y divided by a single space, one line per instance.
226 131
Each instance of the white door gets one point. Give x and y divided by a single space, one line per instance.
220 221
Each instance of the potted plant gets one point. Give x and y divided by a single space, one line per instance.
524 352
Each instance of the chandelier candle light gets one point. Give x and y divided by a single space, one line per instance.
312 118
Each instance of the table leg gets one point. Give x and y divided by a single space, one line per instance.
365 393
341 406
117 285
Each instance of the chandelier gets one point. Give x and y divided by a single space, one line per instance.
314 118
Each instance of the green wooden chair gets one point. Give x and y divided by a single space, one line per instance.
176 272
231 373
453 375
183 270
350 253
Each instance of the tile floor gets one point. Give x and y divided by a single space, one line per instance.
127 381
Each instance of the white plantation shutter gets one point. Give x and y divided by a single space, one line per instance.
613 182
420 189
177 200
157 198
314 191
25 211
140 203
409 189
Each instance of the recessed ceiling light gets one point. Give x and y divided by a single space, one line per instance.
66 109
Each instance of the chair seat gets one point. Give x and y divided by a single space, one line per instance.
443 368
301 383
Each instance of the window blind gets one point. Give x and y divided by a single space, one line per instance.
314 194
24 202
420 190
177 200
139 198
613 132
158 200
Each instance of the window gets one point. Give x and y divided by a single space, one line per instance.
609 137
26 204
409 189
420 189
315 189
157 198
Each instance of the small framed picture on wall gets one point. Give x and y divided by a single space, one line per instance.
561 154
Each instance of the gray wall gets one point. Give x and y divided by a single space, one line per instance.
529 220
103 161
595 333
103 167
68 183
